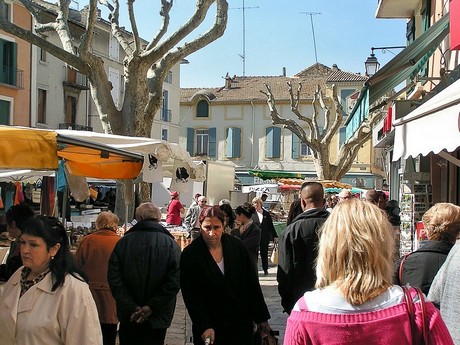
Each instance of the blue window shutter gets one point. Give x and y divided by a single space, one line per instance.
212 142
276 142
342 135
295 146
269 142
229 142
190 140
236 142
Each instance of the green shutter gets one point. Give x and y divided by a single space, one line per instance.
190 140
212 142
4 112
269 142
3 67
273 140
342 135
277 143
295 146
14 64
229 142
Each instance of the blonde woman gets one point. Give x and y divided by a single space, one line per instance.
355 301
418 269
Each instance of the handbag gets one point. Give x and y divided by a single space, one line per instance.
274 256
411 311
265 337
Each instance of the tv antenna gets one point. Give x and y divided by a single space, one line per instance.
243 55
311 14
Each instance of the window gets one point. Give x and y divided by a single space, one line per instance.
168 78
202 142
6 11
299 149
202 109
42 55
71 110
202 139
41 111
273 142
8 59
342 135
5 107
164 134
113 48
165 112
232 142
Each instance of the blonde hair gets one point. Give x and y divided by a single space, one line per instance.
355 251
442 222
257 200
107 220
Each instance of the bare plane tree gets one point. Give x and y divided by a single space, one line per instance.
320 141
145 66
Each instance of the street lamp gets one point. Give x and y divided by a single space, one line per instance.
372 65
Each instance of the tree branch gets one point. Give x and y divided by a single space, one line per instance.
132 19
114 18
87 37
164 13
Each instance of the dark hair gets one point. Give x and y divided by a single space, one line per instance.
246 209
315 191
213 211
51 230
294 210
19 214
228 210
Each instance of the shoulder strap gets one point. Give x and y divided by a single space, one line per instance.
401 265
412 315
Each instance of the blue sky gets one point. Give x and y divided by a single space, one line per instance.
279 35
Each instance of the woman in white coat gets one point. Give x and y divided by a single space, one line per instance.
47 301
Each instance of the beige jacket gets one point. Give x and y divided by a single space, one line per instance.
67 315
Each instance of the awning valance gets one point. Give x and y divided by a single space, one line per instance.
403 66
432 127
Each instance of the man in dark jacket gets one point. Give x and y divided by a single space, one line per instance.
298 247
144 279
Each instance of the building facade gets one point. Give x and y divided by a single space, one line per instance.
15 72
232 124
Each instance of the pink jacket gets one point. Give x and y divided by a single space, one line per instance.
385 326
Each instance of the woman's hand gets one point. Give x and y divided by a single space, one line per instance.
208 334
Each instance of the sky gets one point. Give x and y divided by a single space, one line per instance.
278 33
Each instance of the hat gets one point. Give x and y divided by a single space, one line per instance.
174 194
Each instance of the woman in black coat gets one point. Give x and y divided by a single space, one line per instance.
220 289
418 269
264 221
248 231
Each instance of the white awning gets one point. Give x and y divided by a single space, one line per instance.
432 127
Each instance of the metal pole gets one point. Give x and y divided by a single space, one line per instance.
311 14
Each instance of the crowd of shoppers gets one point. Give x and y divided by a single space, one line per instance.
336 268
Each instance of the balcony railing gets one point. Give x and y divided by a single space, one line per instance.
13 77
166 115
74 126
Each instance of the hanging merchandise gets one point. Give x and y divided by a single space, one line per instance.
1 201
18 196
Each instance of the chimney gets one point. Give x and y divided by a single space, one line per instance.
335 67
284 71
228 82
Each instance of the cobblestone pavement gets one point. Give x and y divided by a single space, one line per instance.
180 331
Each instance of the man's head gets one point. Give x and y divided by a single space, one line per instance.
148 210
174 195
202 200
311 195
15 218
345 194
264 197
197 195
372 196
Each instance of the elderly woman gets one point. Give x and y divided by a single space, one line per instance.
220 288
47 301
264 221
92 257
355 301
418 269
248 231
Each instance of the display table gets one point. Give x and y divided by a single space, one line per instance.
279 227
